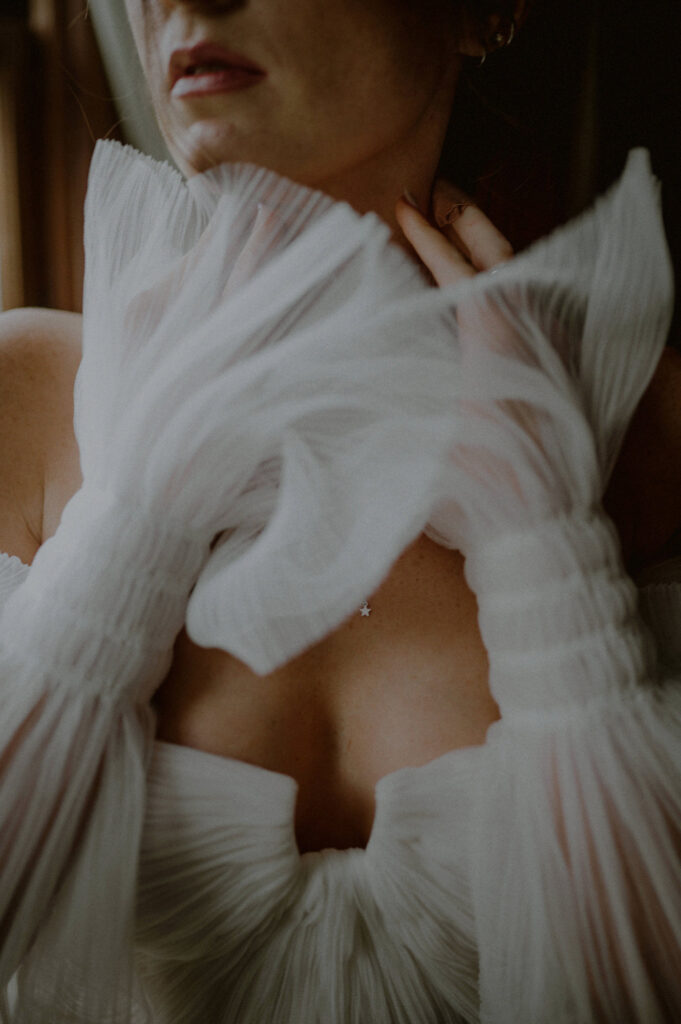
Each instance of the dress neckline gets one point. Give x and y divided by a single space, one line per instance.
279 790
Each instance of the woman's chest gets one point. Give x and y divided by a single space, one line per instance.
399 685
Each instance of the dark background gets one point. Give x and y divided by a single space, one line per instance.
546 124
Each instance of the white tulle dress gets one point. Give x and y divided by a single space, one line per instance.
262 364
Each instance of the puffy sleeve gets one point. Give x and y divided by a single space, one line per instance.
576 851
239 383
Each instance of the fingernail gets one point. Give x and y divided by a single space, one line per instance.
406 194
452 214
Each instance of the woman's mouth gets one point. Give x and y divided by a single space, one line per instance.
209 68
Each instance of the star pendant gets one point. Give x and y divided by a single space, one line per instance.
365 611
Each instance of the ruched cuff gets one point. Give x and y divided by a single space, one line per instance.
558 595
83 641
576 851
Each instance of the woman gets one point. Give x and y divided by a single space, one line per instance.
354 808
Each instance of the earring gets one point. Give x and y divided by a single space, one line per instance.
504 37
498 40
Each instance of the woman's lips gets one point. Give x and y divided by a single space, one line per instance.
223 80
208 68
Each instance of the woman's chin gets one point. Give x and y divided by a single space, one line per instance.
208 142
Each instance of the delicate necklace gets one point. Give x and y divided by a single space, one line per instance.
365 610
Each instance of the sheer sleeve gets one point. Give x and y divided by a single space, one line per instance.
576 853
333 388
240 381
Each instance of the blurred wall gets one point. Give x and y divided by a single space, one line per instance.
14 263
545 125
55 103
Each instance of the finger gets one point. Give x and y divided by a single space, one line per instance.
458 216
443 260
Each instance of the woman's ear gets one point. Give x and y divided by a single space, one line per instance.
495 32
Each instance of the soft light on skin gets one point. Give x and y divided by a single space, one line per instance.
356 98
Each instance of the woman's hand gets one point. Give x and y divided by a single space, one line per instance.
464 242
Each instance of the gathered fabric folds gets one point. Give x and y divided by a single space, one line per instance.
579 816
273 402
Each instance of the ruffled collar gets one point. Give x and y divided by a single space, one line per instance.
337 372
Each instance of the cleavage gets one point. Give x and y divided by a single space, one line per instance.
398 687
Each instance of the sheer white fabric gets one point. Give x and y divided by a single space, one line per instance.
578 816
262 363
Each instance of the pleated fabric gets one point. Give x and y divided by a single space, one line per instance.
578 819
301 391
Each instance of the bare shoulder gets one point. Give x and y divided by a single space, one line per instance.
644 496
39 357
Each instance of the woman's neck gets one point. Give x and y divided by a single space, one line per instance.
409 165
